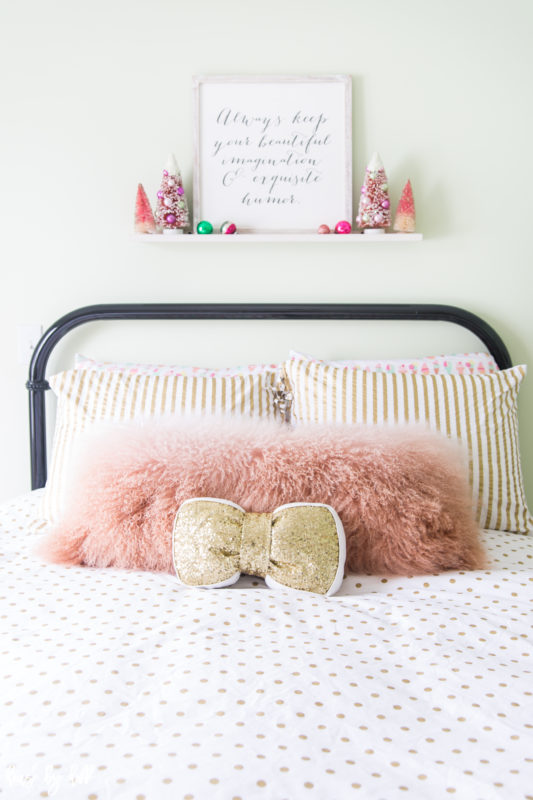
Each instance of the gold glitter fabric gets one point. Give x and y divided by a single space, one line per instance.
255 544
300 545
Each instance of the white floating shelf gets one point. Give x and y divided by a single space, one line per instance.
353 238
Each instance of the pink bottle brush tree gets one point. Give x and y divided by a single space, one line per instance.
144 218
374 204
172 212
404 220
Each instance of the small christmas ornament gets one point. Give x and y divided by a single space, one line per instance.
144 218
343 226
204 227
228 227
374 204
172 213
324 229
404 220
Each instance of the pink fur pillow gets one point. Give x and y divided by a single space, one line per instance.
402 494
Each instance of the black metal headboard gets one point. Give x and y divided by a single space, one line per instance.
37 383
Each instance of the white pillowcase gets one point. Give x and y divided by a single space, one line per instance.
455 364
84 362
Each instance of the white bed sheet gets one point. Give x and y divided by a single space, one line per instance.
123 684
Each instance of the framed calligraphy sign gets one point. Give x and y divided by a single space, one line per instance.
273 154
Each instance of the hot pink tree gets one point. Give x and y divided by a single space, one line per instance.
404 220
144 218
374 204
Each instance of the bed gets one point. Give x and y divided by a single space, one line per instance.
124 684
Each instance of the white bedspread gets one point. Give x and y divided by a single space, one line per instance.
125 685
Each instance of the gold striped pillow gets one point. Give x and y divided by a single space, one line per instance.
88 397
479 410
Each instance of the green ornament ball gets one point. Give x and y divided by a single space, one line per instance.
204 227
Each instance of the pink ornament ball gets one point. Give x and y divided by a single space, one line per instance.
385 204
180 189
343 227
160 194
170 219
324 229
228 227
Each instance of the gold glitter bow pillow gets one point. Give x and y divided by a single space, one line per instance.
299 545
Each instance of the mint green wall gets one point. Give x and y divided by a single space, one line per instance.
96 94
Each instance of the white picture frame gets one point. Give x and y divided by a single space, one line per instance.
272 154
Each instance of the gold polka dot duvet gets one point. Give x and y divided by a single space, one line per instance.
127 685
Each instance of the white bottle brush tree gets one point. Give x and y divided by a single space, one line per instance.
172 212
374 204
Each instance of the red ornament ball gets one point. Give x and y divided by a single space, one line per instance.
343 227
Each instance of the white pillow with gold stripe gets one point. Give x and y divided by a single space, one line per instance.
89 397
479 410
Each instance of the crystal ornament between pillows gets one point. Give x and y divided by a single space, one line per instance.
172 212
374 204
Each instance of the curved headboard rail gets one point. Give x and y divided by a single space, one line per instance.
37 383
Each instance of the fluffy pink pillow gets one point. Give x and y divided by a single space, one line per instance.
402 494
